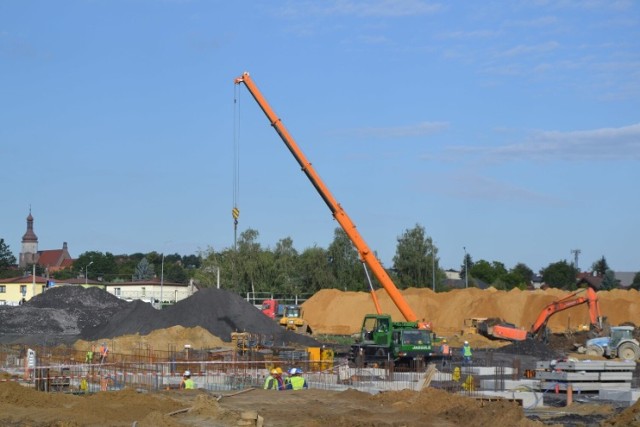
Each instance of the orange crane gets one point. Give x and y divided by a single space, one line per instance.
510 332
366 255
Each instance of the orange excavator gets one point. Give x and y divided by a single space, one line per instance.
507 331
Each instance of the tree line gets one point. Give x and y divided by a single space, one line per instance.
250 267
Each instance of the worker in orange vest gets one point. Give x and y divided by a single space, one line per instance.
445 350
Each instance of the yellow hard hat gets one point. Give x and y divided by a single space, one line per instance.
279 370
274 372
444 341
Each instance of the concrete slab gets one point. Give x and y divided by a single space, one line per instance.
527 399
510 385
629 396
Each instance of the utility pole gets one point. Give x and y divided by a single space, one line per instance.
576 253
433 267
466 268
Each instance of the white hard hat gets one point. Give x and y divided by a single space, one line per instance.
466 342
187 373
293 371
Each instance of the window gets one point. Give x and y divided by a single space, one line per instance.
3 289
23 289
144 291
116 291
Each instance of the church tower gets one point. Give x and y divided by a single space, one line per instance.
29 253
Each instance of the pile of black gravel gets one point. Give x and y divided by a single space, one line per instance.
217 310
530 347
91 306
66 313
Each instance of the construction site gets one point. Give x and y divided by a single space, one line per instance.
229 345
83 357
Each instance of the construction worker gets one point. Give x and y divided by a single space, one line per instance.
295 380
270 380
466 353
104 351
89 356
445 351
187 383
274 381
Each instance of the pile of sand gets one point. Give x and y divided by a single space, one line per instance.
331 311
160 339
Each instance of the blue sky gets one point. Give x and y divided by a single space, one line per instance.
509 128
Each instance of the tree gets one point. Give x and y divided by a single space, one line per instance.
314 271
415 258
483 270
284 265
636 282
600 266
609 280
252 265
560 275
467 264
6 257
7 260
101 266
344 262
144 270
519 276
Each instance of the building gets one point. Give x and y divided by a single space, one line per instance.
17 289
152 291
51 260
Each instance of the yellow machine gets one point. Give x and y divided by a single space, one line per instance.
292 320
320 358
471 325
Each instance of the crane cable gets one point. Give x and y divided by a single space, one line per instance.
235 211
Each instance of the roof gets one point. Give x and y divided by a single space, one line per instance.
25 280
50 257
66 263
30 236
625 278
593 281
151 282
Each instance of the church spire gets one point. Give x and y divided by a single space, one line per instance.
29 236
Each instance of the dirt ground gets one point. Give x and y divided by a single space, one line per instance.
336 312
20 406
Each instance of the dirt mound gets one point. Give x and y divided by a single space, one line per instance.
630 417
160 339
331 311
216 310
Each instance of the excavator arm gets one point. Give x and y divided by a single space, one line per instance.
338 213
567 302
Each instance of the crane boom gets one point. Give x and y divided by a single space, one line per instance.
336 210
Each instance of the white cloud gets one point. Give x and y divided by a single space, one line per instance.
529 49
476 34
420 129
621 143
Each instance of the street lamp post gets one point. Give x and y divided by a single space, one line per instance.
161 279
86 269
466 268
433 268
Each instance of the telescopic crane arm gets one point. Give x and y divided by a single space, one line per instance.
338 213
